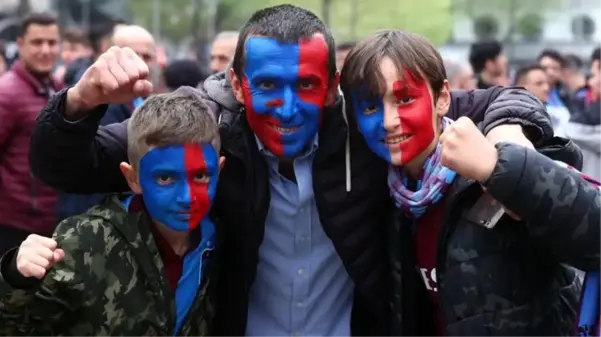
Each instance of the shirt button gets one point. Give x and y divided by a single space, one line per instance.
302 210
299 304
297 333
301 271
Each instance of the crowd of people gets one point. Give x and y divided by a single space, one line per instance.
301 188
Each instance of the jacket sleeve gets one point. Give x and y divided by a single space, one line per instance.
40 307
561 210
497 106
78 157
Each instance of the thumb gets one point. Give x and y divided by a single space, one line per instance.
58 256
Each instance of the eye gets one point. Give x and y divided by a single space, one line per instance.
266 85
201 178
305 85
165 180
370 108
404 100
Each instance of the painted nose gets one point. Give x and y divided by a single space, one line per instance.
288 109
392 121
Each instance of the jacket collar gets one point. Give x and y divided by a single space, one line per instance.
36 84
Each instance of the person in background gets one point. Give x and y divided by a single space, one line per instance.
341 51
489 64
100 41
584 127
142 43
554 64
27 205
574 79
460 75
535 79
3 61
75 44
183 73
222 50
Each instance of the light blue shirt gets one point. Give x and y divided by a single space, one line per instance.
301 287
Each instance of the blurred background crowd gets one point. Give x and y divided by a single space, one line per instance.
550 47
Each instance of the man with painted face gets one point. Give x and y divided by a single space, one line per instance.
138 264
456 270
302 198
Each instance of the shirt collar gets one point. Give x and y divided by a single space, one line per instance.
308 152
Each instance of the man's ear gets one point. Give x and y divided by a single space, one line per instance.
444 99
236 86
131 176
333 90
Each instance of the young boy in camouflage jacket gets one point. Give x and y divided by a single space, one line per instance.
137 265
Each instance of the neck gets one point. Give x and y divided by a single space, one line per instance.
487 77
576 83
179 241
414 168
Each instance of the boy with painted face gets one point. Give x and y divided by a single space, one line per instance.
507 280
302 199
138 264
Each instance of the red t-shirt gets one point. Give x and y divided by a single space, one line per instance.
426 243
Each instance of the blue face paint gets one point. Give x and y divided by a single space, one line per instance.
179 183
285 87
370 119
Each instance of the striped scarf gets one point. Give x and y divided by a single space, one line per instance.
434 181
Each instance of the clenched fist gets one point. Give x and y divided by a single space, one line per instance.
466 151
118 76
37 254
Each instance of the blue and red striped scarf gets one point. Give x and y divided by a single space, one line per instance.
434 181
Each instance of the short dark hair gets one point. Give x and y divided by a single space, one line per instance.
42 19
345 46
76 36
523 72
288 24
98 33
554 55
573 61
183 73
596 56
407 51
481 52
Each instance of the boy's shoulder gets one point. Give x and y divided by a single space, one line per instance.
93 227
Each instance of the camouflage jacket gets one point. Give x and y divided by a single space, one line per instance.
111 282
511 279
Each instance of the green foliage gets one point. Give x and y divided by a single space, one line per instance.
530 25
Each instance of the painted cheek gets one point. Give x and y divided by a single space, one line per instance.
259 120
416 119
372 129
199 192
313 61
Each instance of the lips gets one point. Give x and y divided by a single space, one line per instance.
283 130
396 139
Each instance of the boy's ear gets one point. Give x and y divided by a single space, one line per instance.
333 90
131 176
221 163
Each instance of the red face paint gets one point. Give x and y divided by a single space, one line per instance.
415 117
285 87
199 192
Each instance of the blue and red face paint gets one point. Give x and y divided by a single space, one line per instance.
179 183
285 86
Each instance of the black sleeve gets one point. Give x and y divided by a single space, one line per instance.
497 106
78 157
560 209
10 273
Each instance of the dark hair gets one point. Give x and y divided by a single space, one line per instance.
523 72
98 33
407 51
76 36
481 52
596 56
345 46
288 24
554 55
573 61
42 19
183 73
